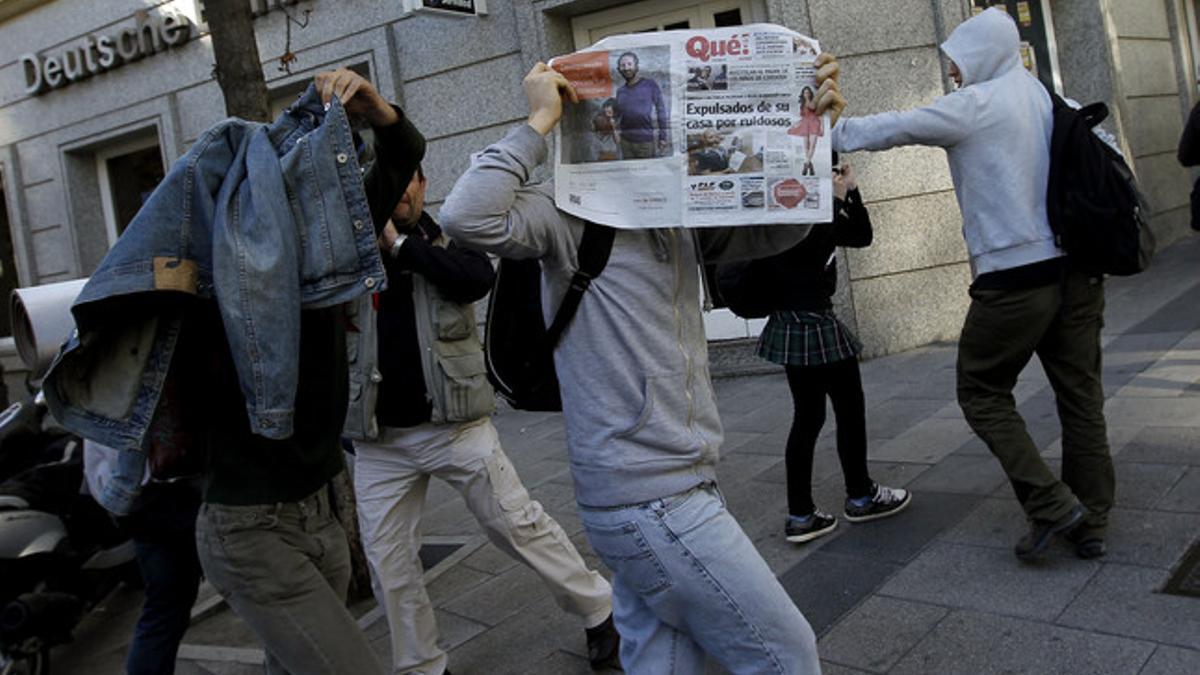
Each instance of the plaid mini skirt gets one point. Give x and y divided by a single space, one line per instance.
807 339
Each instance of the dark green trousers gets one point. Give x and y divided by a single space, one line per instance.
1061 324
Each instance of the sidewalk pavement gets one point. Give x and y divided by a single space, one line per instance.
934 590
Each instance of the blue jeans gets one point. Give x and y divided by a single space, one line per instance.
688 582
164 535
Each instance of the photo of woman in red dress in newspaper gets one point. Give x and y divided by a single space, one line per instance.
810 127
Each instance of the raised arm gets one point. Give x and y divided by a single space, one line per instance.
493 207
399 147
458 274
945 122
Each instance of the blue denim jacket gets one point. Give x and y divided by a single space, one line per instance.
266 219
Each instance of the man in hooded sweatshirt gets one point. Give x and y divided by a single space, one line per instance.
639 409
1025 297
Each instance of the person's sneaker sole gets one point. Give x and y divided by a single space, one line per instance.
1069 522
809 536
876 516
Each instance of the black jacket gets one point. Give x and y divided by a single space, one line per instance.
806 274
459 275
1189 142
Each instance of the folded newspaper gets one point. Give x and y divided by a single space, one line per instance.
694 128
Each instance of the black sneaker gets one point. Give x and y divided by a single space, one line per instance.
885 501
604 646
799 530
1088 545
1033 544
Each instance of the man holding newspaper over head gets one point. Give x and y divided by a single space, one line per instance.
642 425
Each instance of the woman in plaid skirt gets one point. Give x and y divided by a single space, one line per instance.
820 356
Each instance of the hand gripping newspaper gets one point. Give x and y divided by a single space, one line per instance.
694 128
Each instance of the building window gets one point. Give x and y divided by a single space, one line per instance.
1039 53
642 17
8 266
128 173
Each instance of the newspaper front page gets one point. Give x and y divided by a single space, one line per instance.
694 128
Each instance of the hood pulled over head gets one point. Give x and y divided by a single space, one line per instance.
985 46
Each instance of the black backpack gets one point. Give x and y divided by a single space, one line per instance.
743 287
518 346
1095 208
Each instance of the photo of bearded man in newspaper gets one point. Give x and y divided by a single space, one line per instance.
624 109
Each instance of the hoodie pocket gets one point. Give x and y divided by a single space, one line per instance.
662 420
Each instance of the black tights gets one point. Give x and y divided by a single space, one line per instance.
842 383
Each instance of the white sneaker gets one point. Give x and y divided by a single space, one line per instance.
885 501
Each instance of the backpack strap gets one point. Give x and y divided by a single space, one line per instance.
593 253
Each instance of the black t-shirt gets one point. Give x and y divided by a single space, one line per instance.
245 469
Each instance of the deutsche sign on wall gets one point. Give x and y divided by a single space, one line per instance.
150 34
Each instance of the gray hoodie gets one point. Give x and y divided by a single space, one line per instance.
640 414
996 131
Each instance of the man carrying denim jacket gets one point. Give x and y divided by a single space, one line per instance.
266 537
420 407
642 426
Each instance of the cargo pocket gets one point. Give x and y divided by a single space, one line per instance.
453 321
522 515
466 391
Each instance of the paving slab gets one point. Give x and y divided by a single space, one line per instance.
829 668
1157 412
924 441
1119 436
453 630
462 577
879 632
997 522
1172 661
1150 538
527 645
499 598
967 474
826 585
1124 600
991 580
1170 376
1127 355
1143 486
1163 444
1176 315
1185 495
987 644
902 537
895 416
